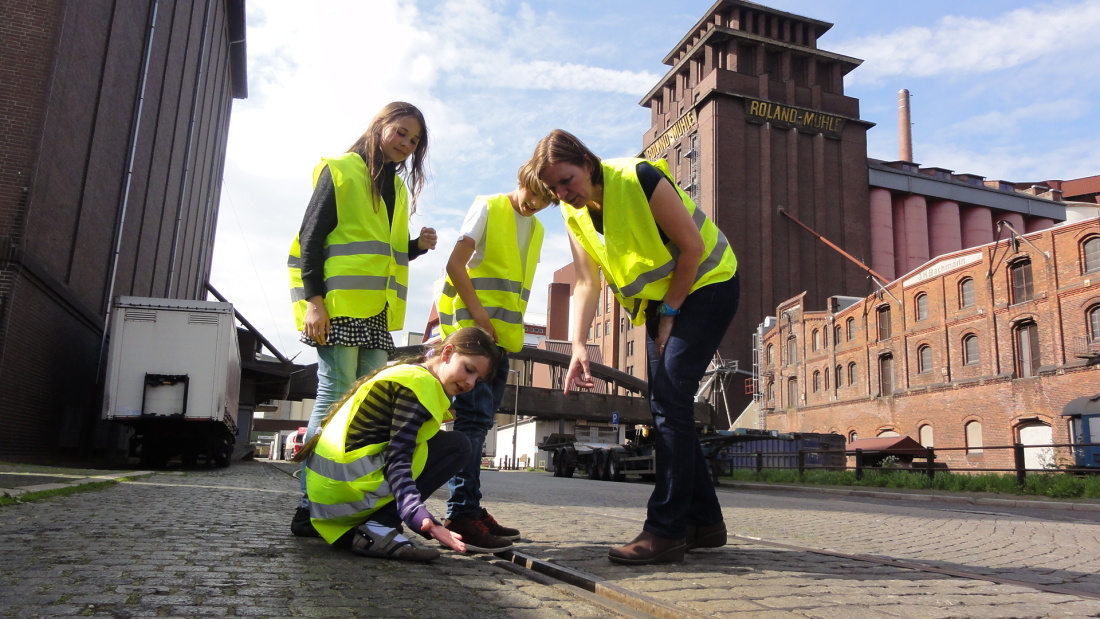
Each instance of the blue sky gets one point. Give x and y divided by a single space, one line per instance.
1004 89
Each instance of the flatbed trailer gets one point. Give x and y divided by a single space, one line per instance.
723 449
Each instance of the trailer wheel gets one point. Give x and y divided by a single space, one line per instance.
559 462
568 462
605 464
224 454
614 467
594 464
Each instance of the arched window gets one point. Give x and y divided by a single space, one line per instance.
769 354
1027 349
925 434
769 393
1023 288
839 377
887 432
922 306
970 349
836 336
886 374
817 381
884 322
924 359
1090 250
852 436
851 326
974 437
825 337
792 350
826 379
853 375
1094 324
966 293
792 392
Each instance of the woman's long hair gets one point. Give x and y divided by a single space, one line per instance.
369 147
560 146
469 341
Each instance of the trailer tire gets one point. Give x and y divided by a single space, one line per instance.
594 463
224 454
614 467
605 464
559 462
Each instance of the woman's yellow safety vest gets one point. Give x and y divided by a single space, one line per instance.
346 487
502 280
637 265
366 258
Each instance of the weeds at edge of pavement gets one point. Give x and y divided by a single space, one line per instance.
1052 485
43 495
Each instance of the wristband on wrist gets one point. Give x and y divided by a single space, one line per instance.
664 310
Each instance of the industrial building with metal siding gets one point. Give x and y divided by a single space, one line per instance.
116 117
753 120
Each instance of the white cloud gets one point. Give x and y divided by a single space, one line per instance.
962 46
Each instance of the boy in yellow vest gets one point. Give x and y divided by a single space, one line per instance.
488 285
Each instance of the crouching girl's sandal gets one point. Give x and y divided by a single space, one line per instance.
381 542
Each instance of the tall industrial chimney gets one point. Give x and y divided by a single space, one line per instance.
905 127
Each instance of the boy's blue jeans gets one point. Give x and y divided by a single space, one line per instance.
474 412
684 493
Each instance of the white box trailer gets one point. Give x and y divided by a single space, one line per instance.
174 375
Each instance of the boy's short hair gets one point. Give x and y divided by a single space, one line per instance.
529 179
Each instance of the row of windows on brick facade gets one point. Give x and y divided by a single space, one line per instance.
1022 290
1026 351
924 352
972 431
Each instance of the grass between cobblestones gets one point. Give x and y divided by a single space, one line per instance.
33 497
1053 485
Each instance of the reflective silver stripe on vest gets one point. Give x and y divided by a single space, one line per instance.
356 282
402 291
294 262
297 294
714 258
401 258
489 284
495 313
653 275
658 273
346 472
356 248
323 511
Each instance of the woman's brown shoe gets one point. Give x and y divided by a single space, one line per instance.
647 549
712 536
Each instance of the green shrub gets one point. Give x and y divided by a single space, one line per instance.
1054 485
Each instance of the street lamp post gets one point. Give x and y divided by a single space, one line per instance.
515 419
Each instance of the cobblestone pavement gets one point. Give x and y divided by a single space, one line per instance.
755 578
216 543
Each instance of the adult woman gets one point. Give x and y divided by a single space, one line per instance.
672 270
349 263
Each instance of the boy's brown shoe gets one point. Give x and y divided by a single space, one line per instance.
496 528
476 535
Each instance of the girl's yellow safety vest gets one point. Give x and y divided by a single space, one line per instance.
346 487
637 265
502 280
366 258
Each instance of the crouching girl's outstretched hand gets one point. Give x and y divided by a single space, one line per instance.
444 535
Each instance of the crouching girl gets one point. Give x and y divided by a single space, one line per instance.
380 451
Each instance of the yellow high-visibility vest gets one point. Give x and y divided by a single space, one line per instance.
638 266
502 280
366 258
346 487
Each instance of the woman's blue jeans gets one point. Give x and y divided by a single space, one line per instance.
684 493
338 367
